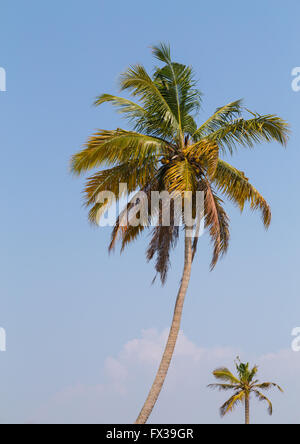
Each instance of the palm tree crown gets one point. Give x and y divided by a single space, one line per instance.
244 384
166 150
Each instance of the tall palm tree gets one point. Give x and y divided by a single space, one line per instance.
243 385
167 151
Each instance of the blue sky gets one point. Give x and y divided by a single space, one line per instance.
66 305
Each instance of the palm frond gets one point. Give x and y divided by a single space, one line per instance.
180 177
113 147
130 234
262 397
137 80
237 188
132 111
229 405
216 220
163 240
162 52
224 387
252 373
131 174
225 375
218 119
123 227
268 386
178 87
266 128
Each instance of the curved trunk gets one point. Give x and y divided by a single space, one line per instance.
247 410
175 328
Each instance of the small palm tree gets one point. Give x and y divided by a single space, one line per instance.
243 385
167 151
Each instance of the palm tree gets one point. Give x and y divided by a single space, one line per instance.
167 151
243 385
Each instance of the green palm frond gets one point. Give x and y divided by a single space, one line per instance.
179 88
246 374
218 119
246 133
119 146
137 80
133 111
162 52
252 373
131 174
229 405
237 188
225 375
224 387
267 386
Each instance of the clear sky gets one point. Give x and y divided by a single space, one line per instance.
78 320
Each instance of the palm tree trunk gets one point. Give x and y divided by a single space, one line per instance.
175 328
247 410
